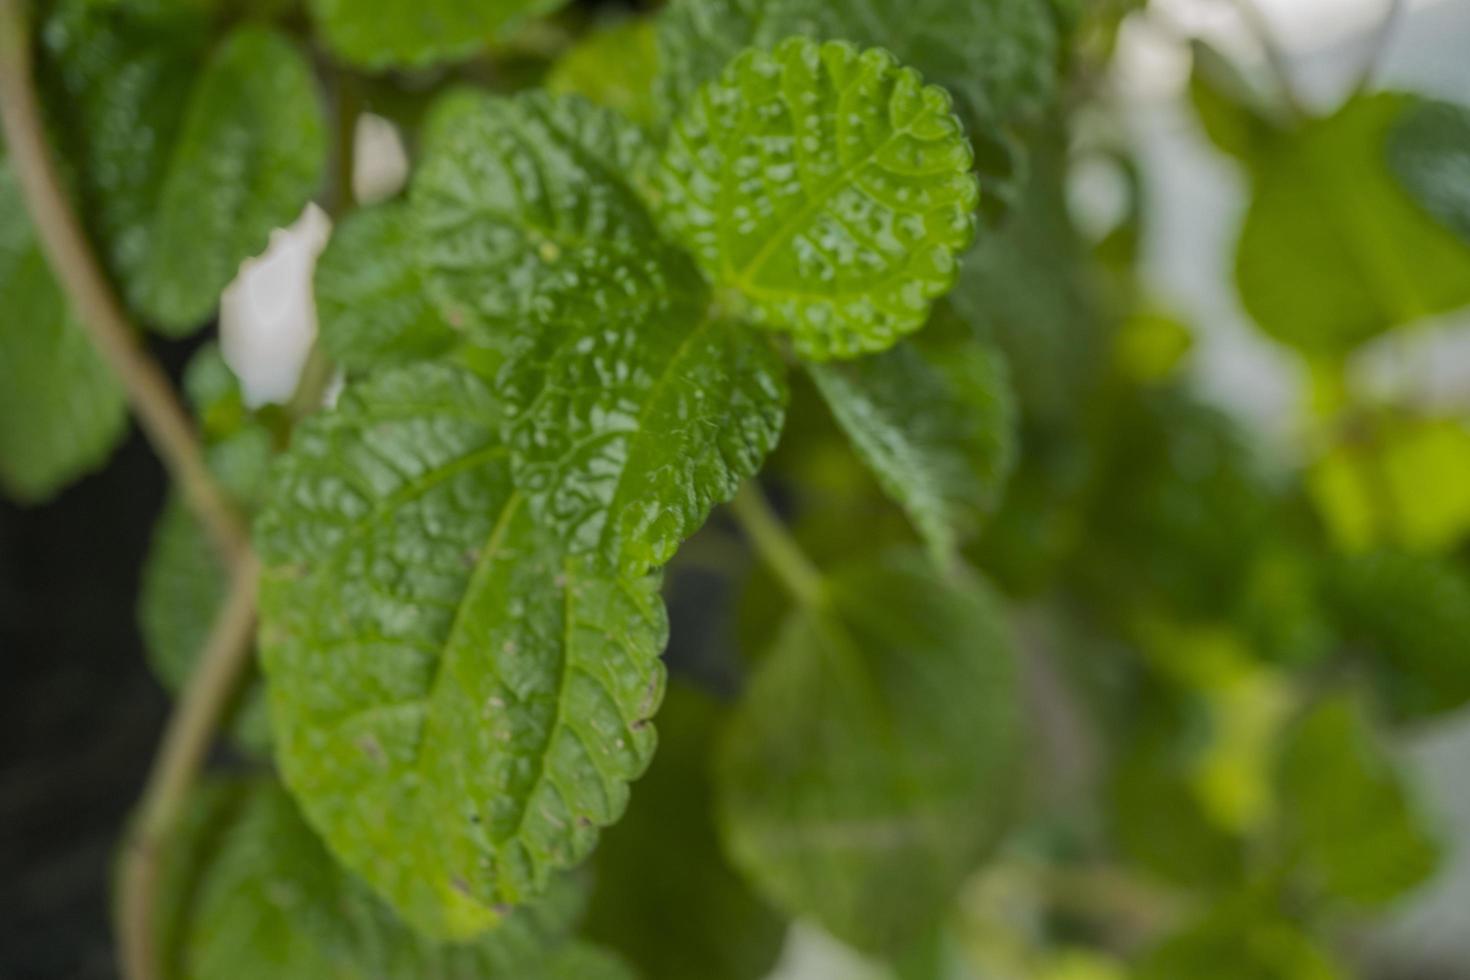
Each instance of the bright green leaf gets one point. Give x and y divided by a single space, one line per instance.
996 57
458 704
663 864
634 409
866 771
418 33
824 191
1334 251
1349 820
612 65
370 301
515 187
61 412
1429 151
250 892
936 425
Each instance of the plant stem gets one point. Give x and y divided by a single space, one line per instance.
180 758
775 546
148 390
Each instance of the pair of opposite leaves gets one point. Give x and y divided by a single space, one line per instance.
460 620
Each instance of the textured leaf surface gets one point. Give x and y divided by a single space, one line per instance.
190 158
936 425
61 412
1350 822
1333 250
417 33
458 704
634 410
370 301
251 892
866 770
662 863
1429 152
996 57
828 189
515 187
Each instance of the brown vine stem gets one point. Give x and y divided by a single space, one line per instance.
148 390
222 662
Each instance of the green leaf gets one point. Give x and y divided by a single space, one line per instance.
663 860
249 891
1409 616
634 409
190 155
61 412
370 301
1334 251
936 425
1349 821
867 769
515 187
613 65
418 33
1429 153
996 57
825 191
1239 941
458 704
1228 106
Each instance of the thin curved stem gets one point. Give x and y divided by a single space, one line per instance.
180 758
148 390
775 546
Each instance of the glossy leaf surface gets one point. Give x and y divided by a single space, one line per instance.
826 190
458 703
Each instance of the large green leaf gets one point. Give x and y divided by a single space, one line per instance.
1429 151
457 702
1239 941
866 771
662 864
370 301
996 57
61 412
1350 824
515 187
634 409
418 33
250 892
189 155
825 191
1334 251
936 425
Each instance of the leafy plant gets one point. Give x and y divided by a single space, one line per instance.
785 294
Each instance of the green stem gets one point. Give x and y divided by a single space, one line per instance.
776 547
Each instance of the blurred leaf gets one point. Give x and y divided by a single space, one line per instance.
858 223
936 424
1333 251
665 896
190 154
1404 483
996 57
250 892
868 767
1228 106
1409 616
61 412
389 34
1348 818
1240 941
1149 346
1429 151
613 65
370 300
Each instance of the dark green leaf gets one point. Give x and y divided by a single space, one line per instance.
867 769
61 412
418 33
458 704
1227 106
665 896
1239 943
1429 151
827 190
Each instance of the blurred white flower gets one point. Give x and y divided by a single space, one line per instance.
379 160
267 319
